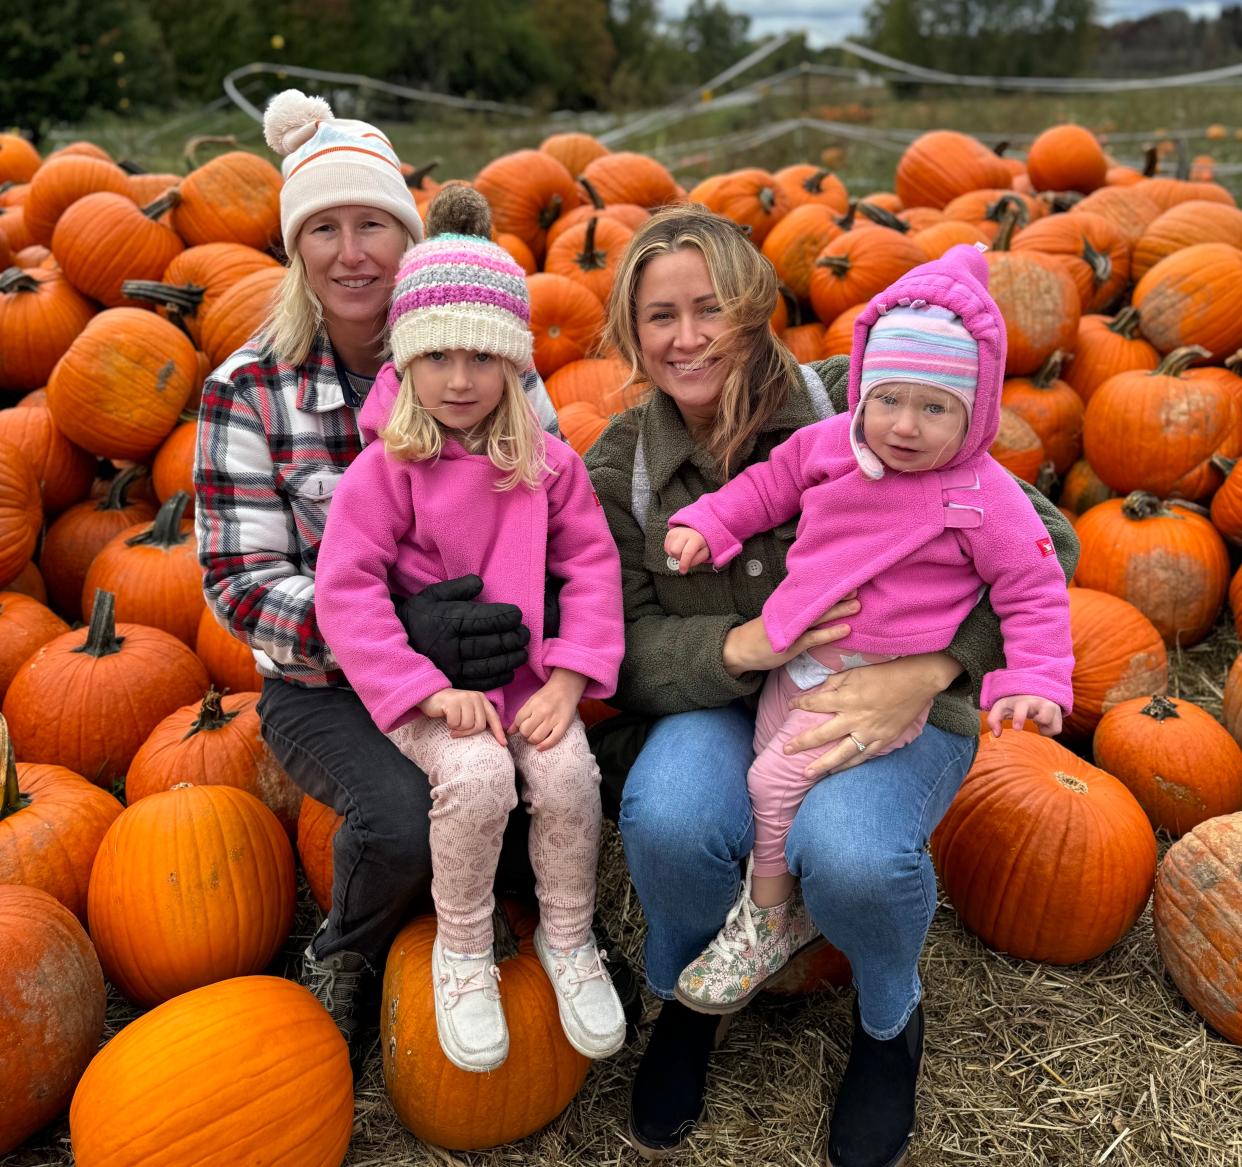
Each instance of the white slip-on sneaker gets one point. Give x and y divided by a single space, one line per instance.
470 1019
591 1012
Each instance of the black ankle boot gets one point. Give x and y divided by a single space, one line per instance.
671 1079
873 1117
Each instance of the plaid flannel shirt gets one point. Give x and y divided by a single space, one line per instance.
273 441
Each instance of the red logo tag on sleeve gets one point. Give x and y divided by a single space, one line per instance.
1045 547
596 498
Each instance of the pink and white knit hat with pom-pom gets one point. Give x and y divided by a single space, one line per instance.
333 162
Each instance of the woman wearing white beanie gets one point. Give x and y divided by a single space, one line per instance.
278 425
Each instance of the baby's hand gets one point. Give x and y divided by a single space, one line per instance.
548 713
687 546
1044 713
465 713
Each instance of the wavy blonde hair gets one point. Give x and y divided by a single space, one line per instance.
761 369
510 436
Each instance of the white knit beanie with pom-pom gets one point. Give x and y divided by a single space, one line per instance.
333 162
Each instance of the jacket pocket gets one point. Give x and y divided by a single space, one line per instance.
308 491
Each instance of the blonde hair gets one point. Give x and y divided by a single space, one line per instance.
296 315
761 370
510 436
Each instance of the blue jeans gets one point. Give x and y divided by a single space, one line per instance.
858 845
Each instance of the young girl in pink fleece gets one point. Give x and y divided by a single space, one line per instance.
903 491
464 482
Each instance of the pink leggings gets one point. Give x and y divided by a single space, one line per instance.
472 793
776 780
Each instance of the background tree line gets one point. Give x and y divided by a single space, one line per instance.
63 59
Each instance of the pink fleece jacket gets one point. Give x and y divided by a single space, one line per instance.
396 526
918 547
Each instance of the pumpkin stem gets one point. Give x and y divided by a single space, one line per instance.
839 265
1223 464
791 304
1046 478
117 497
1050 370
549 214
503 936
1234 362
14 799
131 167
1008 219
1126 322
176 299
1151 161
1009 203
189 152
882 218
1179 360
1000 148
1142 504
846 221
592 193
211 714
16 279
814 185
101 638
415 180
589 259
169 199
1060 200
767 199
8 185
1101 265
1160 708
165 532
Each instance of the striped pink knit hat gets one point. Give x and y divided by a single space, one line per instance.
460 292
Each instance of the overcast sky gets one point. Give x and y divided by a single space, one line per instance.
826 21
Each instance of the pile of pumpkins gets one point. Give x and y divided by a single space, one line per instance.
119 291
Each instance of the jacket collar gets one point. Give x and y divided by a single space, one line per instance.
668 444
320 387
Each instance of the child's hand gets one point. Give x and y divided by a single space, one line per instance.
1046 714
465 713
544 718
687 546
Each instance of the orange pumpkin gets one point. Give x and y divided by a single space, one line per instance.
1118 654
1017 446
809 342
751 198
1197 919
1107 346
804 184
856 265
1043 855
148 1089
317 827
21 511
217 901
59 183
1159 431
1127 208
528 191
537 1081
573 150
122 385
64 471
1183 225
77 536
632 178
1082 488
589 253
1227 502
233 198
1175 758
153 571
51 1012
1168 561
1091 249
942 164
88 699
1051 408
41 314
566 320
237 314
1194 297
229 661
939 237
25 625
18 159
1232 707
1066 157
796 240
1168 192
628 214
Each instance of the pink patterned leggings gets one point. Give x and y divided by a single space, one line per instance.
472 793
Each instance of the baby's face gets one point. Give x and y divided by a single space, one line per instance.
913 427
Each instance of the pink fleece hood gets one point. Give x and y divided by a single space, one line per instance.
957 281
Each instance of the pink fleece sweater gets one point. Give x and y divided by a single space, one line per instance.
396 526
918 547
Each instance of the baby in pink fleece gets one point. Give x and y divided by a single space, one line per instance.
901 502
463 481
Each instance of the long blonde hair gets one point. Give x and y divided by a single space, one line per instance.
761 370
510 436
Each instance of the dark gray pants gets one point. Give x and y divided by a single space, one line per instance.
328 744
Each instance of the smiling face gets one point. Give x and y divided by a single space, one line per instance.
351 256
679 316
459 387
911 427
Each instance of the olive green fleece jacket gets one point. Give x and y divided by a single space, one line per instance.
675 625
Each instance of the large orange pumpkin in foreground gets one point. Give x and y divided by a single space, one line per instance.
1197 918
1175 758
248 1071
51 1010
450 1107
190 886
1043 855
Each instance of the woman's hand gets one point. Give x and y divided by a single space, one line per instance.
549 711
748 649
873 704
465 713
